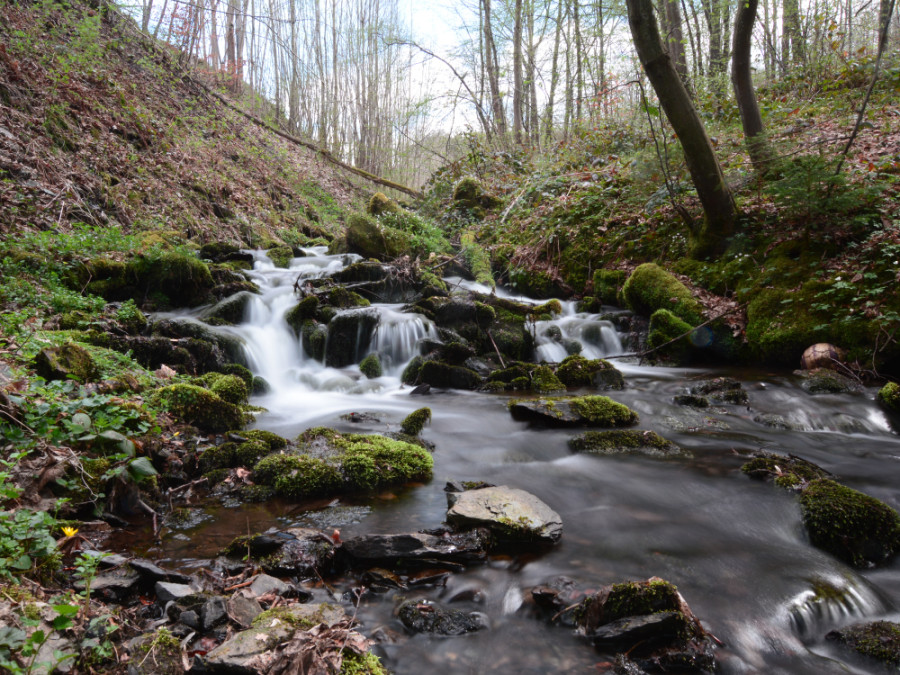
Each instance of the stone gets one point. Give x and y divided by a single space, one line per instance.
114 585
465 547
213 612
825 381
631 630
879 640
510 513
424 616
722 390
190 618
297 552
167 591
243 610
264 584
153 573
67 361
626 441
590 411
348 338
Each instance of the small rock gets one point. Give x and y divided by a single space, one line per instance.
692 401
464 547
511 513
213 612
151 572
423 616
264 584
190 618
167 591
243 609
114 585
825 381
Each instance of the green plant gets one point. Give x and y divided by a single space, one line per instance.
15 642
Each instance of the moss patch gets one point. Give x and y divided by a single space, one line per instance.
200 407
878 640
650 288
889 396
577 371
603 411
416 421
371 366
625 441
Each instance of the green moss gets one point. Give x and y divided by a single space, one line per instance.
622 440
380 203
507 375
878 640
371 366
544 381
650 288
181 279
372 462
440 374
577 371
231 388
68 361
298 476
637 598
788 472
240 371
889 396
416 421
343 298
362 664
412 370
200 407
603 411
608 286
477 260
249 453
281 256
304 310
371 239
314 337
217 457
850 525
273 440
665 327
284 615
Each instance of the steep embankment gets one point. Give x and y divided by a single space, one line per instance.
100 125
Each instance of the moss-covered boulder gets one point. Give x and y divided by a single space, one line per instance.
230 388
577 371
343 298
444 375
827 381
789 472
477 260
371 239
68 361
663 337
852 526
349 335
298 476
171 279
200 407
608 286
468 193
370 366
590 411
626 441
544 381
381 203
281 256
413 423
889 396
229 311
304 310
878 640
650 288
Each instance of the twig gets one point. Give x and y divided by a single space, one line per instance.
499 355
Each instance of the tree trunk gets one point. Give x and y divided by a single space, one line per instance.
493 69
675 38
706 174
742 79
554 72
518 79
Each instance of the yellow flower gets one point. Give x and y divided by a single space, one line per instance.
70 531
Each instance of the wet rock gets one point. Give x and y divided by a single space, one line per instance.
577 371
465 547
349 335
670 337
156 653
544 381
229 311
648 621
153 573
879 640
790 471
772 421
424 616
200 407
691 401
592 411
190 618
167 591
243 653
297 551
243 610
511 514
264 584
722 390
370 366
67 361
443 375
414 422
213 612
852 526
889 396
626 441
370 239
825 381
114 585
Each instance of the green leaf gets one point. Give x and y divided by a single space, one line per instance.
66 610
82 420
141 468
23 562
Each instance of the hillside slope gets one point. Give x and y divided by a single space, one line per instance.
101 126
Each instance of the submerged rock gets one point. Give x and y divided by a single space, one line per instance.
626 441
722 390
879 640
826 381
511 514
591 411
424 616
577 371
787 471
852 526
464 547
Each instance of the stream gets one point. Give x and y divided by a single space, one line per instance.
735 547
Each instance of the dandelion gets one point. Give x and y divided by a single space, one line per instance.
70 531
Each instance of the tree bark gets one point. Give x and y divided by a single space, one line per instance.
706 173
742 79
518 79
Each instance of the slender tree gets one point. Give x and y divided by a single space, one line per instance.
745 96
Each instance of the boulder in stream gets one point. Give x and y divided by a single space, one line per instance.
827 381
852 526
349 334
425 616
789 471
577 371
626 441
879 640
463 547
889 396
585 411
300 552
722 390
509 513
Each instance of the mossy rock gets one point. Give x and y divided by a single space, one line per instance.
608 286
218 250
200 407
852 526
68 361
373 462
889 396
477 260
271 439
230 388
370 239
878 640
414 422
666 327
468 193
650 288
175 279
281 256
298 476
444 375
593 411
217 457
381 203
626 441
240 371
371 366
230 311
577 371
788 472
260 386
827 381
304 310
343 298
411 372
348 339
544 381
507 375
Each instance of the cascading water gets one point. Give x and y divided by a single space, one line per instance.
735 547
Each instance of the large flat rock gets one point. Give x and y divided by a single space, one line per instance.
508 512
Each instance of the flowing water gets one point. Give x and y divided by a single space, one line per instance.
735 547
